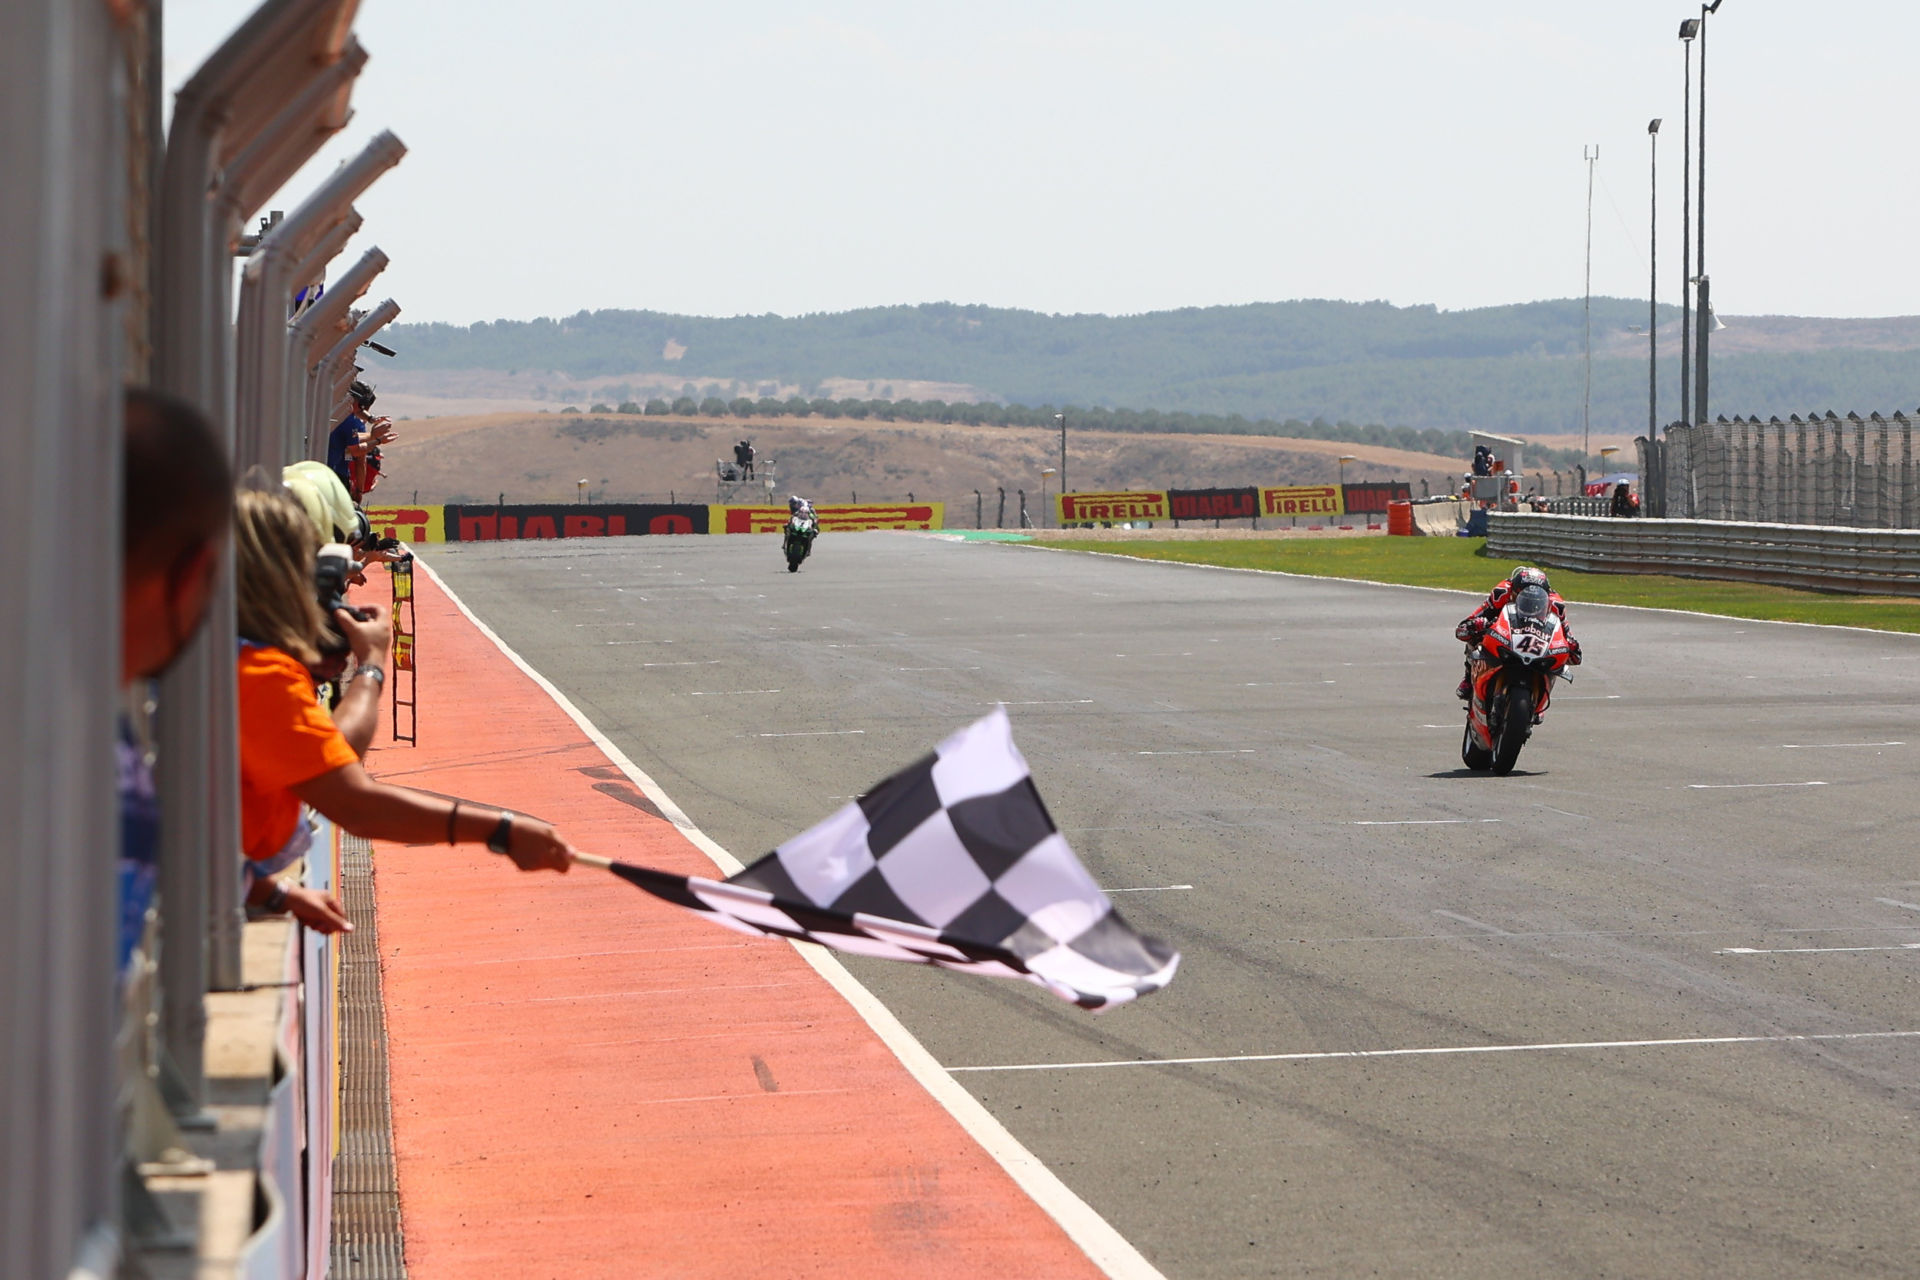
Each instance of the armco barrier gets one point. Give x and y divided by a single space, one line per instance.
1830 558
834 517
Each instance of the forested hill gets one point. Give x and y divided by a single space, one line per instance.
1505 368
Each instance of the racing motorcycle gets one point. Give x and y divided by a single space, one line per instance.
798 540
1525 649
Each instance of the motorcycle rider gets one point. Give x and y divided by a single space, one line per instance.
799 506
1475 624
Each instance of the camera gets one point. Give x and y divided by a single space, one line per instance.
332 571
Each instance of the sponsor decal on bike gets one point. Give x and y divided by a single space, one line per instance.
1302 500
1079 508
834 517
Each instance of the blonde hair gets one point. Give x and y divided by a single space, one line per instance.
274 549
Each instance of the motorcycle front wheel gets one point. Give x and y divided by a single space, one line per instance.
1514 726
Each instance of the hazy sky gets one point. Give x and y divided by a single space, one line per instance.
1105 155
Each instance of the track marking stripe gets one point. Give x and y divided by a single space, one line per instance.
1418 822
1105 1247
1834 746
1168 888
1791 951
1746 786
1563 1047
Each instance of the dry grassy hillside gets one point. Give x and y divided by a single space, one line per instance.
541 457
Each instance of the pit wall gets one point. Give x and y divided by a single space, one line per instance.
538 521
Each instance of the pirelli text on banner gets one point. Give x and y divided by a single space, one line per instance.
409 524
835 517
1080 508
1302 500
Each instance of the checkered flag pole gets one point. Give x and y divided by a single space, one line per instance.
953 862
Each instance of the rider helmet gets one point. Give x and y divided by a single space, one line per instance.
1528 576
1530 602
795 502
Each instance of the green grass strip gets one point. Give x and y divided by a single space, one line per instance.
1463 564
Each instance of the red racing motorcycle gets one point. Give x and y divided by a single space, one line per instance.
1525 649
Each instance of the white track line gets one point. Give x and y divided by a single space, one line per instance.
1564 1047
1834 746
1168 888
1418 822
1794 951
1105 1247
1746 786
1221 751
813 733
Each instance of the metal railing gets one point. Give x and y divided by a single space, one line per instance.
1825 558
1820 470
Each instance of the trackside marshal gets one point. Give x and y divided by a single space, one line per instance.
1302 500
1078 508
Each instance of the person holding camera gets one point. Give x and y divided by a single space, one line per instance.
291 752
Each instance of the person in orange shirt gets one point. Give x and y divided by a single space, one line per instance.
292 753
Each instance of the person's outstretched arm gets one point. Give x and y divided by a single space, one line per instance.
379 811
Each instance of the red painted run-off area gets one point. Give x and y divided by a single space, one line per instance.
588 1082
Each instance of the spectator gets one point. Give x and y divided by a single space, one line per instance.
290 752
176 506
1623 501
356 708
358 432
1482 460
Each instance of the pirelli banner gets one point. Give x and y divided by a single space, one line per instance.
834 517
1371 498
409 524
1214 504
572 520
1302 500
1079 508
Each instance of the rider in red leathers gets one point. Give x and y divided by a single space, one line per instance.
1475 624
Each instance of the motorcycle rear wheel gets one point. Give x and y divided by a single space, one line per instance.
1514 726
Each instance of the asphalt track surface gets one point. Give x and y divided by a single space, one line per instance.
1705 843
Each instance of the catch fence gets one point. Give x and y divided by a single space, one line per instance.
1832 470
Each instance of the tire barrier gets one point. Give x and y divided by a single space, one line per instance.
1829 558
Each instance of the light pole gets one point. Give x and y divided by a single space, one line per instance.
1586 398
1061 418
1653 281
1702 317
1345 458
1045 472
1688 30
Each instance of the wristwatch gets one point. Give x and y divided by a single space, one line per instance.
379 676
497 842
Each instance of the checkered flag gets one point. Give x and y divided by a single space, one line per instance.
952 862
